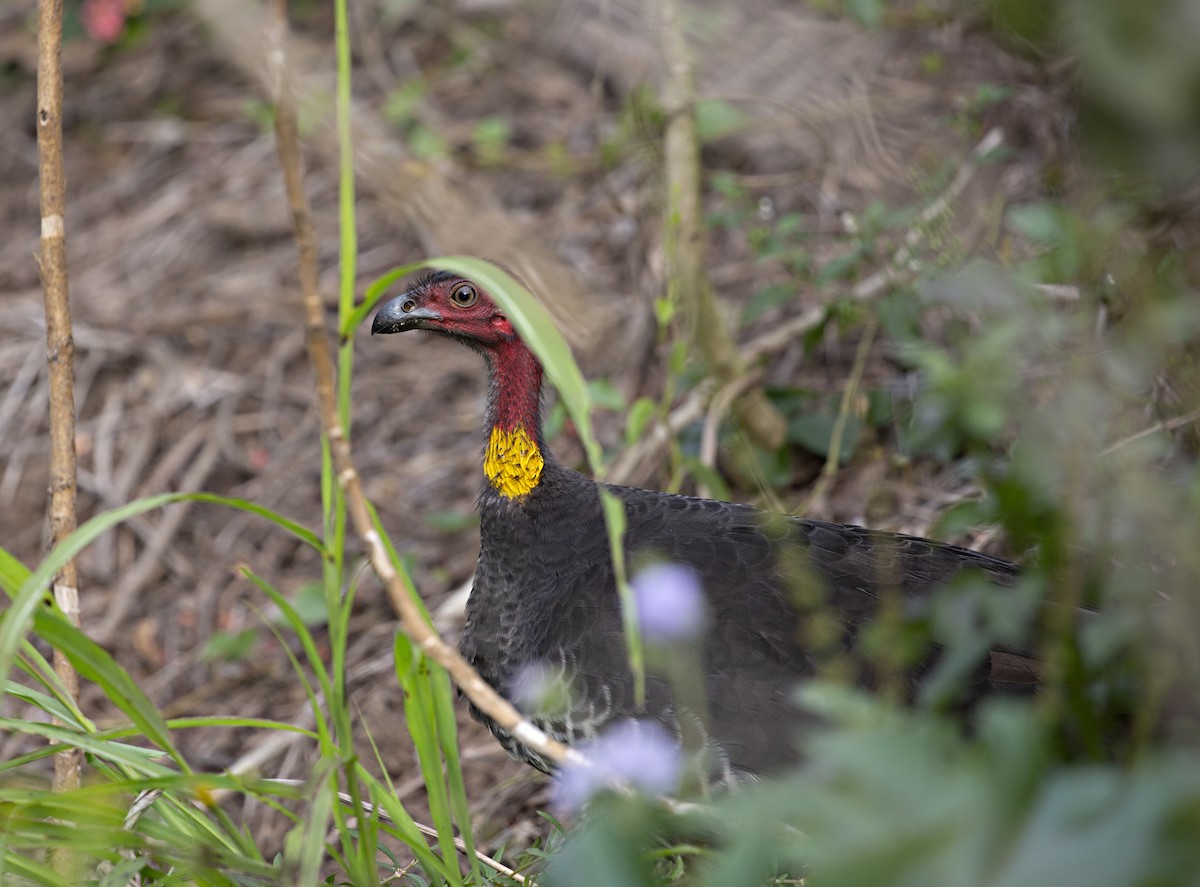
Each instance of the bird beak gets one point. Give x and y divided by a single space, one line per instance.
403 313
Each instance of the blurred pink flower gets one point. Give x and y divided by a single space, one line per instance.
640 754
104 20
670 603
538 689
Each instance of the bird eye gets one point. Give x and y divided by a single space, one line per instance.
464 295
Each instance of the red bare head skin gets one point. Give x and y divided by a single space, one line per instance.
461 309
446 303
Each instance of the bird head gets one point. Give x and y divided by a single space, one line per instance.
458 308
449 304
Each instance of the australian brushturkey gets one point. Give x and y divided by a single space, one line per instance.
544 590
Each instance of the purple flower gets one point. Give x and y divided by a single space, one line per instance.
539 689
670 603
641 754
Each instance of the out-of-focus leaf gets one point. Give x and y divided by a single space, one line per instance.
639 417
451 522
605 395
310 604
1041 222
814 432
840 268
716 119
770 296
868 13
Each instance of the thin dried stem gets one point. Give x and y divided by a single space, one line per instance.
718 407
685 236
400 592
1165 425
60 347
849 395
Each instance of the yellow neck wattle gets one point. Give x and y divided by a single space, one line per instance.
512 462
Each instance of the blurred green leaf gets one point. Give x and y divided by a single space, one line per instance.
1041 222
426 144
605 396
303 845
716 119
490 137
555 420
310 604
13 573
840 268
868 13
452 522
814 432
677 360
664 312
402 103
959 518
710 477
231 646
638 420
771 296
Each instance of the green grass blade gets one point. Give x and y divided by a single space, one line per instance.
14 623
137 759
304 846
55 702
447 734
42 701
416 672
95 664
301 532
33 663
13 573
405 829
16 869
398 564
307 642
377 289
240 722
614 522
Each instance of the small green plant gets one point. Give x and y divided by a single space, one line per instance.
230 646
640 122
490 138
402 109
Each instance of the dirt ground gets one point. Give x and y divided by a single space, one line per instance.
191 368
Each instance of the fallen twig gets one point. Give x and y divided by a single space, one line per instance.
1165 425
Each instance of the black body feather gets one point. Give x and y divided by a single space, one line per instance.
544 592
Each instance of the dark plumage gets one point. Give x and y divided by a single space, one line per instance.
544 589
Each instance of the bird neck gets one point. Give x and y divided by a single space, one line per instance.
513 456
